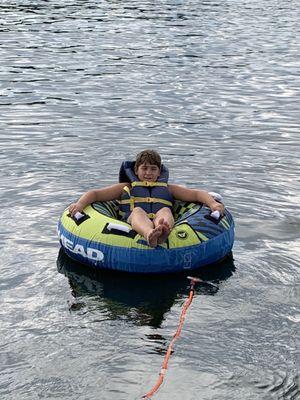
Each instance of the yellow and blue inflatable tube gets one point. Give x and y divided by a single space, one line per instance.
100 239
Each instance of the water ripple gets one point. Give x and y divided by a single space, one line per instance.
214 87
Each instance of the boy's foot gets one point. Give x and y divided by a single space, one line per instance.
164 235
153 236
165 231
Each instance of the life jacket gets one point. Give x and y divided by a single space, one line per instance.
150 196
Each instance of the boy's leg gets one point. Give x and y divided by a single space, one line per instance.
141 223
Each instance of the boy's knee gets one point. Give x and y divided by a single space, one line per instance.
164 210
137 210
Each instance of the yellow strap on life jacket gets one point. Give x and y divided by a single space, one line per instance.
148 184
133 200
130 201
126 188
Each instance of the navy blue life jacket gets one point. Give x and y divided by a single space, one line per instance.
150 196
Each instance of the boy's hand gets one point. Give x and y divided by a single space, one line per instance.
215 206
74 208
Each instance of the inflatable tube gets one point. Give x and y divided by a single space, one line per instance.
100 239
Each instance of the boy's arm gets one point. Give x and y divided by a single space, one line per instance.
113 192
195 196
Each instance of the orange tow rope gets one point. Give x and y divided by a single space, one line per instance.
175 337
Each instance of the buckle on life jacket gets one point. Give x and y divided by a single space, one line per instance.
151 215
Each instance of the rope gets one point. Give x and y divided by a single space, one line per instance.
164 367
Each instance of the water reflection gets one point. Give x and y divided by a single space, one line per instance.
139 298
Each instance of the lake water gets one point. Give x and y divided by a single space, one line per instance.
214 87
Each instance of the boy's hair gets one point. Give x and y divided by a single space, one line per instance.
148 156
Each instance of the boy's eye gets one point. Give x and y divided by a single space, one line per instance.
152 169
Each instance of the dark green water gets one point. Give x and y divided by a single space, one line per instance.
214 87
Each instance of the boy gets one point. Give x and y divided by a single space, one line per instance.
155 227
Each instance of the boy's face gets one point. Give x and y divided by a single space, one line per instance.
148 172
